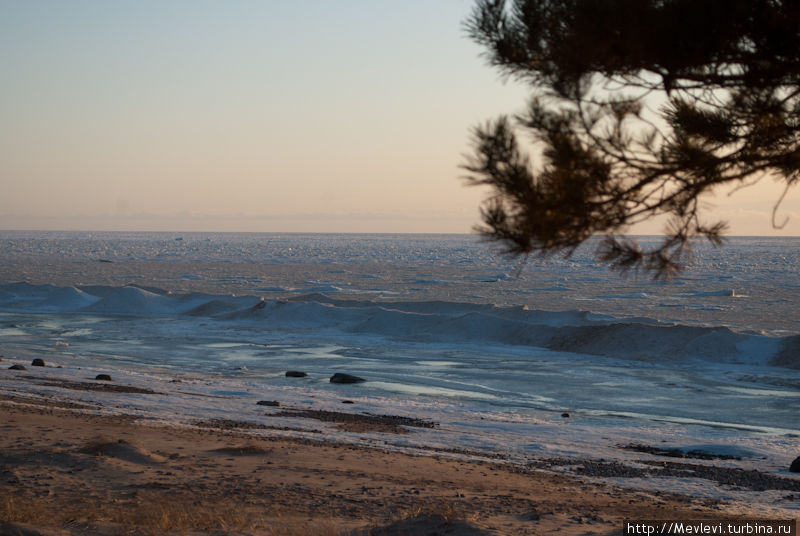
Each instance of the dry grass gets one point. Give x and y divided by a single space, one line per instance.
36 511
14 509
314 528
159 515
440 507
434 516
154 514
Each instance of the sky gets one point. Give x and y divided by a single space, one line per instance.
264 116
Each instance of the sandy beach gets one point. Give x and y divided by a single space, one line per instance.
64 470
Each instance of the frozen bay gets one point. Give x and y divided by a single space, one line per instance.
441 329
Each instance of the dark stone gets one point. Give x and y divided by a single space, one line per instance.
347 402
296 374
104 377
340 377
17 367
795 467
678 453
271 403
727 476
533 515
357 421
38 362
566 415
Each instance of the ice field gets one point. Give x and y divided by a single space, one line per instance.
492 351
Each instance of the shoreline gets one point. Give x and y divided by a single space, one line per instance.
67 473
68 467
284 468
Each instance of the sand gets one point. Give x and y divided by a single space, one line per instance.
67 471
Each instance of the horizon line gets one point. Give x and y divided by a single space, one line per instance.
377 233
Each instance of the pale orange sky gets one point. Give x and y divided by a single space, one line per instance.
243 115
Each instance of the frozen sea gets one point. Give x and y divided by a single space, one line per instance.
494 351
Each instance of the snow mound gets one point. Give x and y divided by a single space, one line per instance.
67 298
133 301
